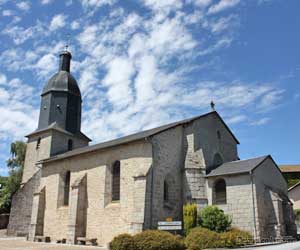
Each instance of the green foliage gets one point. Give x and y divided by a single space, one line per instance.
292 178
158 240
189 217
15 164
17 152
122 242
213 218
202 238
235 238
297 214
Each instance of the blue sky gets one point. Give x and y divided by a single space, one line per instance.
144 63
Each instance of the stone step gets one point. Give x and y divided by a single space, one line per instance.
86 241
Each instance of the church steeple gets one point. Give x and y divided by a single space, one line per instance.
65 61
61 99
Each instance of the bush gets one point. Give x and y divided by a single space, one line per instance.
189 217
214 219
157 240
123 242
297 214
236 238
202 238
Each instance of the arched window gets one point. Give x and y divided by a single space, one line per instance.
70 145
38 143
67 188
166 191
220 192
116 181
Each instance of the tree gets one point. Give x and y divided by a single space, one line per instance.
15 165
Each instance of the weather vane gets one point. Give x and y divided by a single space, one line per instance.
67 42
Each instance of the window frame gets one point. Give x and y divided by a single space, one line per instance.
220 193
66 189
116 182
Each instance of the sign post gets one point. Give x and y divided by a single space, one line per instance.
170 225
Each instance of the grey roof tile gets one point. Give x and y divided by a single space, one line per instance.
134 137
237 167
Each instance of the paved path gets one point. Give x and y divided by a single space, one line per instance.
22 244
286 246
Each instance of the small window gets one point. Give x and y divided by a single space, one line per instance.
70 145
116 181
219 135
67 188
166 191
220 192
38 143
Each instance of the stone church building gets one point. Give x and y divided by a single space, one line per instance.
70 189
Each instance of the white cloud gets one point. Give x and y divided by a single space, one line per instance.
222 5
118 80
223 23
46 65
260 122
135 70
202 3
96 3
20 34
57 22
18 115
158 4
7 13
23 5
75 25
44 2
236 119
3 79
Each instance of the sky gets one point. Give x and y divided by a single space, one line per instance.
145 63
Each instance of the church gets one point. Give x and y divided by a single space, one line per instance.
71 190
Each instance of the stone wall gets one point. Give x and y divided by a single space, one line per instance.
4 219
239 203
104 219
34 153
274 215
168 163
294 196
20 213
60 142
201 144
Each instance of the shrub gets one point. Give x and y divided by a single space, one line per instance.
202 238
122 242
157 240
297 214
214 219
236 238
189 217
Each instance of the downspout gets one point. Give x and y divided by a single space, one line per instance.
253 205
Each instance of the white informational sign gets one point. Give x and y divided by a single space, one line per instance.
170 225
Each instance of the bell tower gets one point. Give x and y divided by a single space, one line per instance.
59 126
58 132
